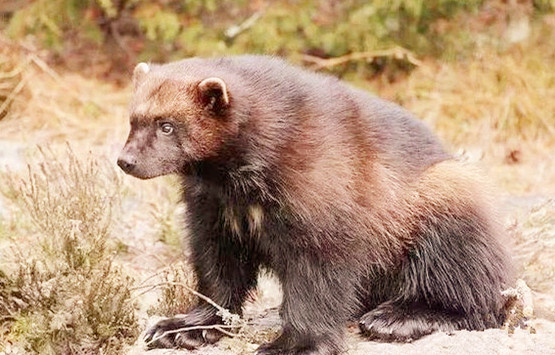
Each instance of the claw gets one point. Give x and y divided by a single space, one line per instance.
148 336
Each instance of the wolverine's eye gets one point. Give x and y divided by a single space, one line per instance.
167 128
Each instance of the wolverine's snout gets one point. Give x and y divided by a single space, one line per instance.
126 163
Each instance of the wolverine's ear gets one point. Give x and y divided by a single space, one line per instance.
213 94
139 73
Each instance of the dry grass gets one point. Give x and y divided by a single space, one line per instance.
494 97
61 291
45 107
175 283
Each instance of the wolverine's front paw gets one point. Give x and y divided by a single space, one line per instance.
183 332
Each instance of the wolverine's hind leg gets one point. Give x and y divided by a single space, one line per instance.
453 276
448 283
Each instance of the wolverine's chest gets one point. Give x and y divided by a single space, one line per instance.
242 220
240 213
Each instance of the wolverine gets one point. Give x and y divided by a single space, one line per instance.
348 199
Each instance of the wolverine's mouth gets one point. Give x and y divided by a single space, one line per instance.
145 173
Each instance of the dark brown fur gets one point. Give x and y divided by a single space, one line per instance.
348 199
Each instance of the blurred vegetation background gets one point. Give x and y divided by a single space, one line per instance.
114 33
83 248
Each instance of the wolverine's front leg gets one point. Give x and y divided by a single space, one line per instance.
226 271
318 299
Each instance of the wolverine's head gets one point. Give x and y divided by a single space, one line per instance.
179 115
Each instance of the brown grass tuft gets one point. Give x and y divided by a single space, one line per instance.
495 96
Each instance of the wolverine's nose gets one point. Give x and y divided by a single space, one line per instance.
126 164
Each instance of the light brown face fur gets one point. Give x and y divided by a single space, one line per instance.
174 122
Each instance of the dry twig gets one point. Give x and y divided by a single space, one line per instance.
235 30
396 52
